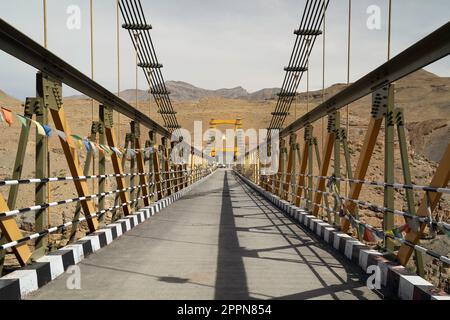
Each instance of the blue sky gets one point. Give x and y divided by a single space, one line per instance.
215 43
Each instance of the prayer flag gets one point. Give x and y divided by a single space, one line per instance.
7 116
76 137
23 120
99 147
87 145
48 130
379 234
397 233
61 134
368 235
404 228
361 229
93 147
40 128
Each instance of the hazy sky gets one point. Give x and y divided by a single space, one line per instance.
218 43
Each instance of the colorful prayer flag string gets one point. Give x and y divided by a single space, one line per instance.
73 140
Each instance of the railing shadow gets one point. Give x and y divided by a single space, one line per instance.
279 225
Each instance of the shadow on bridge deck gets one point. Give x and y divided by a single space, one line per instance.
222 241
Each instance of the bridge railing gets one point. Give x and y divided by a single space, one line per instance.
409 212
179 180
142 169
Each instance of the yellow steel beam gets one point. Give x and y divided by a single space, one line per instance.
280 168
301 177
118 169
227 150
361 168
328 150
157 173
236 122
141 168
288 177
440 180
71 154
11 232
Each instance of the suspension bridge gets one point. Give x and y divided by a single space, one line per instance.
147 225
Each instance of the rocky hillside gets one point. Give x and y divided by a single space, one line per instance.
6 100
424 97
429 137
183 91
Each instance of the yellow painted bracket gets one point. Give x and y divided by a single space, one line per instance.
11 231
330 141
301 177
118 169
440 180
72 160
141 169
361 168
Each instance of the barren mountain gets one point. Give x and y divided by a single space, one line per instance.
6 100
424 97
179 91
264 94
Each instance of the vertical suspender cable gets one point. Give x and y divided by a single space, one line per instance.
136 35
389 30
118 63
323 81
323 73
92 76
349 52
44 2
308 44
92 51
45 23
347 109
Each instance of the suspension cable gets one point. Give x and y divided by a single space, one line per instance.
134 17
65 225
312 19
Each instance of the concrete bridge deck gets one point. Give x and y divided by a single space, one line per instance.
221 241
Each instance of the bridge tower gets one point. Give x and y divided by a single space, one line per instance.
238 145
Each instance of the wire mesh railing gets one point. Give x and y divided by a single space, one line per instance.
182 179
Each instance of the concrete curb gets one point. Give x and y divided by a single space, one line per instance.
395 279
18 284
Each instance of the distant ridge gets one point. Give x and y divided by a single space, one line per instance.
7 99
183 91
424 96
